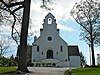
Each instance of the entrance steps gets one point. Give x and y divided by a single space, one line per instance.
50 60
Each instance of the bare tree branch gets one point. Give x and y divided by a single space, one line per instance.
12 4
12 12
17 9
5 43
15 4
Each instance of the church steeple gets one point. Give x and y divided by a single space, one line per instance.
49 15
49 25
49 20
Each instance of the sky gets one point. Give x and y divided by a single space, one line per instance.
69 29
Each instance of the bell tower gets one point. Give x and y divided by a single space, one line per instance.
50 21
49 25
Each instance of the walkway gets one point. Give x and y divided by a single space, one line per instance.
46 71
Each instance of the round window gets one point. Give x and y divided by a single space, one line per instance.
49 38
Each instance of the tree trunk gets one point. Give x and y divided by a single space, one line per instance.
93 57
22 63
92 45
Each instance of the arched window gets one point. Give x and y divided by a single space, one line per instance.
49 21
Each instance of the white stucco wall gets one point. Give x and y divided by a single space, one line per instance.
75 61
54 45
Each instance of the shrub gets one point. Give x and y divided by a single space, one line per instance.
38 64
43 64
30 64
7 62
54 64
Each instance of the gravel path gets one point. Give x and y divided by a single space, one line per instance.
46 71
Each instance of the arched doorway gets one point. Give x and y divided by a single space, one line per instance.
49 54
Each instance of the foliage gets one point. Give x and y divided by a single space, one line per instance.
97 66
83 60
43 64
7 61
86 71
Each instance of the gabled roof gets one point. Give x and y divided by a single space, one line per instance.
73 50
49 15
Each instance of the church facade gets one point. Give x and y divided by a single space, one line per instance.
50 47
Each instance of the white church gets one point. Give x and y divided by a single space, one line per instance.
50 47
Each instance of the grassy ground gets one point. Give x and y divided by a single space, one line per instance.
87 71
6 70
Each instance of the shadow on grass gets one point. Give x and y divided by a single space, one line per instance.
69 73
15 73
8 73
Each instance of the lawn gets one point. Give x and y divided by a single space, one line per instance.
87 71
5 70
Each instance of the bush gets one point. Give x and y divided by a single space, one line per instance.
86 65
97 66
7 62
31 64
54 64
49 64
38 64
43 64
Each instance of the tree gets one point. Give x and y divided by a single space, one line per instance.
83 60
87 15
5 43
22 63
13 6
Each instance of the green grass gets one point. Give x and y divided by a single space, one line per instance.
5 70
87 71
